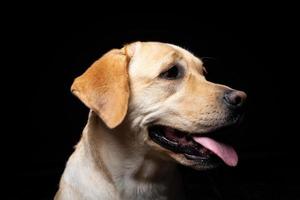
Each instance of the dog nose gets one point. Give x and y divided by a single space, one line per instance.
235 98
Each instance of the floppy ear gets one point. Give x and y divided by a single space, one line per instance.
104 87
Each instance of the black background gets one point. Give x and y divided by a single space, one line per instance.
242 50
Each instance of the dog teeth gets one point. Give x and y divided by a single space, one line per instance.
170 141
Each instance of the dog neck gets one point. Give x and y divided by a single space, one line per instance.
132 168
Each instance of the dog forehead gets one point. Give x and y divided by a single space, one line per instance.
187 55
151 56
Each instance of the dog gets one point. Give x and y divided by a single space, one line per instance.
150 108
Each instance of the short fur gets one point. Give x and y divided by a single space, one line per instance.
115 159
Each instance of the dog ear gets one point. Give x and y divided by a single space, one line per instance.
104 87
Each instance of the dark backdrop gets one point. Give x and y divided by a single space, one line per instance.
240 51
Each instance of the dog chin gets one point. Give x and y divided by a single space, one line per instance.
204 164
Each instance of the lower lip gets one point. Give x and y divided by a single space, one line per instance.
193 157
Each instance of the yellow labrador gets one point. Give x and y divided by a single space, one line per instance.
150 106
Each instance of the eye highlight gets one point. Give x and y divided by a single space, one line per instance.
173 73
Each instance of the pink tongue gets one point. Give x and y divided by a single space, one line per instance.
225 152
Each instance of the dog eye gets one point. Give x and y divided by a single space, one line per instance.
173 73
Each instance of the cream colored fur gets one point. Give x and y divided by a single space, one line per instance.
115 159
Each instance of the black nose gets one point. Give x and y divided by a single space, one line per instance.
235 98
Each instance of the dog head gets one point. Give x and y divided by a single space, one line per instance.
161 91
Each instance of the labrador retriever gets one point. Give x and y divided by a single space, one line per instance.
150 108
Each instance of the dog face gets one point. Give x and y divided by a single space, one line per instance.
162 91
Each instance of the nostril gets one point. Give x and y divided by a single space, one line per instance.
235 98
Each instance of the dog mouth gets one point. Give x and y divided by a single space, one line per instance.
203 148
